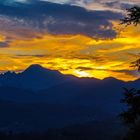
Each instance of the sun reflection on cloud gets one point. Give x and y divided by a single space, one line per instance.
81 73
78 55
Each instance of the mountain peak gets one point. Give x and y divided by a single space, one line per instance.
110 78
33 70
38 77
38 70
35 66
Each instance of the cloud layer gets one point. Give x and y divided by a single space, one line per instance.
74 37
58 19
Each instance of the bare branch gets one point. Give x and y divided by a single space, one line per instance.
132 17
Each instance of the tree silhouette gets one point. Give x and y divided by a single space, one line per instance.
131 117
132 17
136 64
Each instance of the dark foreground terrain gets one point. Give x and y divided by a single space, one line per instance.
43 104
87 131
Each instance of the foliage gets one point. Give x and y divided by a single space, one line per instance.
132 100
136 64
131 117
132 17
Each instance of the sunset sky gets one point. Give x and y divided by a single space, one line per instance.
79 37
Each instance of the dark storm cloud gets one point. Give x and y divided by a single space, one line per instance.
4 44
36 55
117 4
134 73
84 68
60 19
128 72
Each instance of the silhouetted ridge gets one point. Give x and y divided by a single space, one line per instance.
36 77
110 79
38 69
35 66
8 73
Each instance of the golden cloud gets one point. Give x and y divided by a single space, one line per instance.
78 55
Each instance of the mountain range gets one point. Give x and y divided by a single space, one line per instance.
39 98
35 78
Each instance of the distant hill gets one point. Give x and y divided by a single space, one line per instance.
39 98
87 131
34 77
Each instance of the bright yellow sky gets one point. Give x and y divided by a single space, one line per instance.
79 55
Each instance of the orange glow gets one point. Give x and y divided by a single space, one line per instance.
81 73
79 55
2 38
